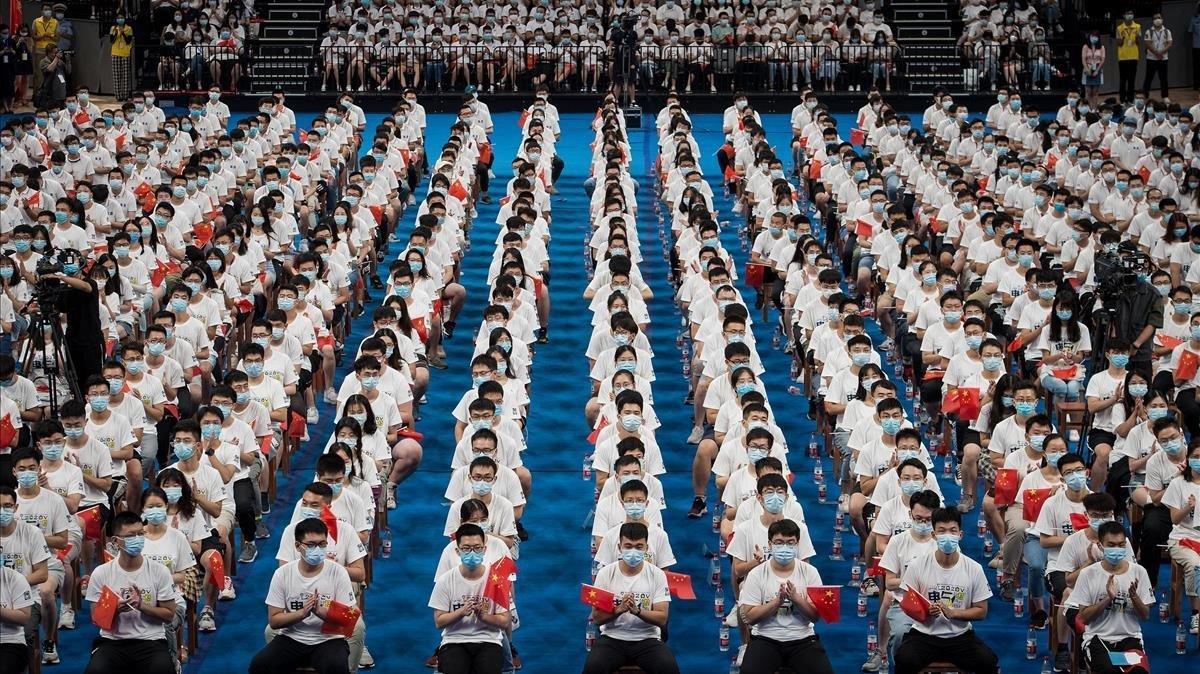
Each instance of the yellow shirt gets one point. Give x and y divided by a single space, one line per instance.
1128 35
45 32
122 40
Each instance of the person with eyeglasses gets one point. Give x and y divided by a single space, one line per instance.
472 625
298 603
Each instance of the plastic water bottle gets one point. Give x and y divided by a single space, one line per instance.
719 602
839 521
716 521
794 390
734 667
862 604
590 633
1031 645
1046 668
818 472
836 552
855 575
981 525
822 493
872 637
813 451
948 466
723 637
1164 609
1019 603
1180 638
988 544
385 540
721 543
714 572
587 466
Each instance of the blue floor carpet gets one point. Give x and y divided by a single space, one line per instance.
553 563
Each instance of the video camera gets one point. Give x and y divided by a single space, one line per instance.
1117 272
46 289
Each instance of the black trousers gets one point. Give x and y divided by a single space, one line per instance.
245 493
1195 67
480 658
1159 69
1156 529
968 651
1127 75
1097 655
609 655
1189 411
766 656
144 656
285 654
14 658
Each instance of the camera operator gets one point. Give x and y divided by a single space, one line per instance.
1134 309
78 300
623 41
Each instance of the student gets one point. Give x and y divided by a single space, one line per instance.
957 591
1111 598
471 624
16 604
774 602
298 602
632 633
137 640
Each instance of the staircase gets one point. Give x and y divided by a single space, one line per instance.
927 32
286 47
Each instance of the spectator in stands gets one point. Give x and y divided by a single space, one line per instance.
8 69
1129 35
1092 57
45 33
66 30
121 51
56 72
1158 40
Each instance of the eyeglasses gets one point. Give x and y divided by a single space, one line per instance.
313 545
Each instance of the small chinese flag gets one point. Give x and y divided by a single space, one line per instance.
596 431
202 233
485 153
595 597
680 585
498 587
1007 484
216 570
265 445
937 226
1188 362
82 118
377 213
523 118
89 521
983 183
874 570
1144 172
458 191
330 521
857 137
1051 161
828 601
730 173
1031 503
1167 341
754 274
863 229
62 554
104 611
1065 373
915 605
341 619
814 169
1079 521
8 432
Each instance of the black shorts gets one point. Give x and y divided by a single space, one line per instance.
212 542
1098 436
971 437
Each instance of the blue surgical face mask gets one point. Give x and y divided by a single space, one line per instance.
910 487
890 426
1172 447
1076 480
744 388
1138 390
635 510
313 556
922 528
173 494
633 557
773 502
1156 413
184 450
27 478
53 451
6 516
631 422
481 487
156 515
1120 360
1025 409
992 363
783 553
98 403
1115 556
947 543
133 545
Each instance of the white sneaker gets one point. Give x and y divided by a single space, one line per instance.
696 435
331 396
1194 628
66 618
206 622
227 592
313 415
741 654
366 660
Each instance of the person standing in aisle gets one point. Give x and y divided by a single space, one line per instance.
121 36
1158 45
1128 34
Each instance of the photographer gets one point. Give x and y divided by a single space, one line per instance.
623 40
77 299
1132 307
55 71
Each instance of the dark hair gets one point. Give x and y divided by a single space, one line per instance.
785 528
926 497
947 515
124 519
634 531
311 525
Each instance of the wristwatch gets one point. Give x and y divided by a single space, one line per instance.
210 452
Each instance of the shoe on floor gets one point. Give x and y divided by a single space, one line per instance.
366 660
432 661
313 415
49 653
1006 590
966 503
870 587
66 618
873 663
521 533
228 593
331 396
696 435
1062 660
261 531
206 622
1039 619
249 553
1194 627
436 363
699 507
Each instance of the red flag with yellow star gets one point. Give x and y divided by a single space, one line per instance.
828 601
601 599
104 612
498 587
341 619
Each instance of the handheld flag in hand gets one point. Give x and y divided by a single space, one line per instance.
1031 503
498 587
915 605
341 619
828 601
1007 484
330 521
597 598
216 570
104 611
1079 521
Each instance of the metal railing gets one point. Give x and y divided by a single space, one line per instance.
569 66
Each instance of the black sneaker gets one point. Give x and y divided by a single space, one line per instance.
266 503
521 533
1038 620
699 507
542 336
448 330
1062 660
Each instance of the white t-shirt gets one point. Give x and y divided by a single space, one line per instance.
1176 496
152 579
762 585
902 550
648 587
959 587
1119 620
450 593
1055 519
15 593
290 589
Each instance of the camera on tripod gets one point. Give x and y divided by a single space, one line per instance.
47 288
1117 272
